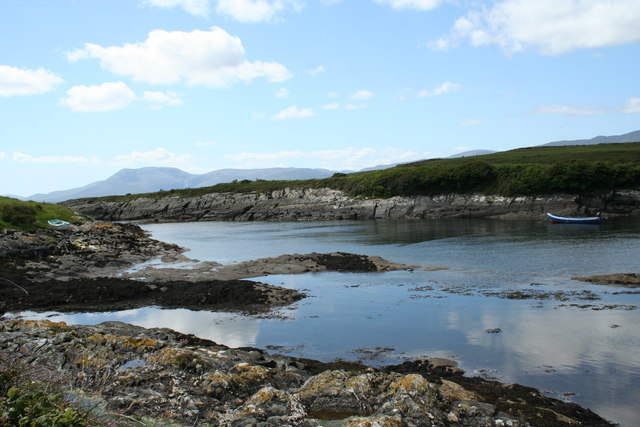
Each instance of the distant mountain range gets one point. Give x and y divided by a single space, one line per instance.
627 137
151 179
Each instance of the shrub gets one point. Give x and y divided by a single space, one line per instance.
21 215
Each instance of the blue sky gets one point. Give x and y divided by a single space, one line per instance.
90 87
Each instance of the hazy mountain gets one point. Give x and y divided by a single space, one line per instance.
627 137
471 153
270 174
150 179
376 168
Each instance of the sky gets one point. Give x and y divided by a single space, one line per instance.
88 88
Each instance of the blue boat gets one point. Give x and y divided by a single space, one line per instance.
59 224
557 219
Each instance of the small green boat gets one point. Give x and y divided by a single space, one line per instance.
59 224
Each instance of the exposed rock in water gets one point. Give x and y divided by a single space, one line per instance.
109 294
627 280
282 264
166 376
326 204
84 270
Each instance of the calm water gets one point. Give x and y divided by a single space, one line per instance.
582 350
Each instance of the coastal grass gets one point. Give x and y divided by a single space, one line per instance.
526 171
29 215
29 398
33 396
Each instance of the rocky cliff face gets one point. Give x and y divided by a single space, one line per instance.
326 204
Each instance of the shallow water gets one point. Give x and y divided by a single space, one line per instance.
584 348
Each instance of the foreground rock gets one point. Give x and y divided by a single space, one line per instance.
326 204
162 375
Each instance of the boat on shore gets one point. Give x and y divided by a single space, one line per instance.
59 224
557 219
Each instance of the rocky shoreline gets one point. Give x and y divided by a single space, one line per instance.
326 204
157 376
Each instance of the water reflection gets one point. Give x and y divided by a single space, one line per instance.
231 329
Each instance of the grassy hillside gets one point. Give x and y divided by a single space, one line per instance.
525 171
15 213
615 153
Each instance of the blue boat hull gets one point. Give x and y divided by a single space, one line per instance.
556 219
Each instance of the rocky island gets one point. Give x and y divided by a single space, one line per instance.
144 376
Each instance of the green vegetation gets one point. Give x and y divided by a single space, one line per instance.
526 171
15 213
614 153
27 401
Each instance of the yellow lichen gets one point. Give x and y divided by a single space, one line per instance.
383 421
217 383
103 225
266 394
412 384
123 342
250 373
91 361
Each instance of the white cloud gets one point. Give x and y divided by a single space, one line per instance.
331 106
3 155
552 27
632 106
282 93
194 7
256 10
211 58
355 106
332 95
162 99
105 97
21 82
582 110
472 122
114 96
293 112
314 71
26 158
411 4
350 158
158 156
361 95
446 87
